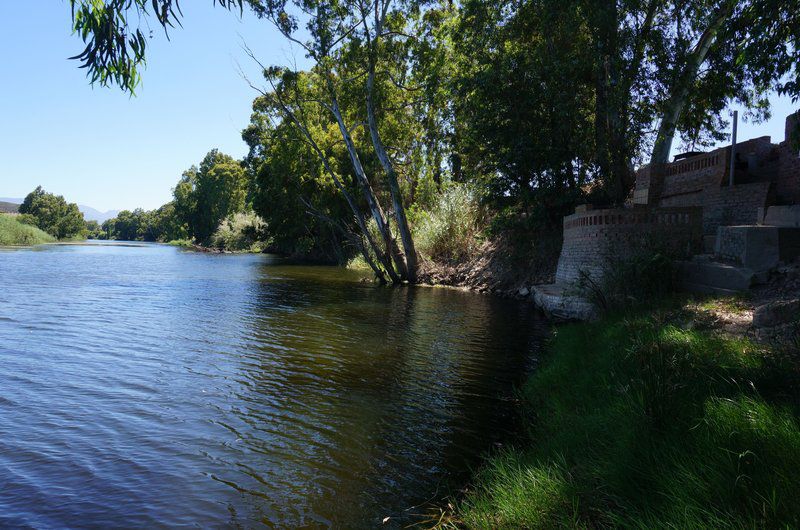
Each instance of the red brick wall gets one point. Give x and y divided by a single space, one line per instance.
787 185
736 205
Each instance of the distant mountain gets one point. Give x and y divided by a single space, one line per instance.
8 207
89 213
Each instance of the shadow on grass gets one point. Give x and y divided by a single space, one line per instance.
646 420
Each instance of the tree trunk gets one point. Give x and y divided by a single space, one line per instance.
680 91
372 202
360 220
394 188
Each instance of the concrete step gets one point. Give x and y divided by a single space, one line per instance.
699 288
714 275
559 301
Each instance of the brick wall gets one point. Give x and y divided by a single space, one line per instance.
590 236
733 205
787 185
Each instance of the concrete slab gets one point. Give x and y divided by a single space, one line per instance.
786 216
716 277
559 301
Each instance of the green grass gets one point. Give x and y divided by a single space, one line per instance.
15 233
643 422
181 243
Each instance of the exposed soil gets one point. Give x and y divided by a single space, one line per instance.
496 268
768 313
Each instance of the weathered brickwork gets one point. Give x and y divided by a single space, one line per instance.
765 174
685 203
733 205
590 236
787 185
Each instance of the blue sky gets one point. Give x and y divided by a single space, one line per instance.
98 146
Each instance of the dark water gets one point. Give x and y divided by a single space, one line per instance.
145 386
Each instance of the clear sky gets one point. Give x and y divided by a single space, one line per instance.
101 148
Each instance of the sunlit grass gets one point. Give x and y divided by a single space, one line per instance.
639 422
15 233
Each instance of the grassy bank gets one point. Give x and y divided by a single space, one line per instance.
649 420
15 233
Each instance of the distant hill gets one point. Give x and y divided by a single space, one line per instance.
89 213
8 207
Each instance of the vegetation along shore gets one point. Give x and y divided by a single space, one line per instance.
579 155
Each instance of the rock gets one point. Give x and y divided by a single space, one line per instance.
523 291
776 313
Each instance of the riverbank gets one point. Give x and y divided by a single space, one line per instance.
660 418
16 233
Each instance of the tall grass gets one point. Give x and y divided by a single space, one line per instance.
15 233
449 231
644 422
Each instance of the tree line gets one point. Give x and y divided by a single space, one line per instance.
533 105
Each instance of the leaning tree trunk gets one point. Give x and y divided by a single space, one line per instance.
394 188
359 216
680 92
372 202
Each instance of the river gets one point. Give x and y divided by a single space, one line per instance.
146 386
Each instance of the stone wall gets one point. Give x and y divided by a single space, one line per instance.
591 237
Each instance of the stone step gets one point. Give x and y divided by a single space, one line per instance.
714 275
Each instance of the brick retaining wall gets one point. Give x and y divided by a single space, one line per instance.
590 236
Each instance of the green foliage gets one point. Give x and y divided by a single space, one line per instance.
206 195
161 224
535 105
450 231
93 230
641 422
14 232
243 231
291 189
114 50
53 214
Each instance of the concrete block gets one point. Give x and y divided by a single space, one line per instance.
754 247
557 301
716 277
786 216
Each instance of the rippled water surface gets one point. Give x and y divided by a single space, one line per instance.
147 386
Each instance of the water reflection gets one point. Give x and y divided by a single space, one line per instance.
171 388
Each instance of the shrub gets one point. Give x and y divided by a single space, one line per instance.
240 232
449 231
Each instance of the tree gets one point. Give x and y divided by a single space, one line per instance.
53 214
206 195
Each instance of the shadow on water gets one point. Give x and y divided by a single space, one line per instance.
168 388
387 396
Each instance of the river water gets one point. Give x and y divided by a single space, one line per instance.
145 386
